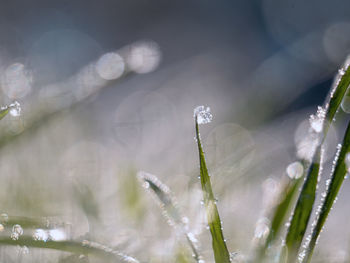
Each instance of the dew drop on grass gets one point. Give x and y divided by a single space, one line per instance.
316 121
15 109
40 235
17 231
262 228
295 170
57 235
341 71
202 114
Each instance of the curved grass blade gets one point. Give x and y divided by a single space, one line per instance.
304 206
221 253
333 186
85 247
168 204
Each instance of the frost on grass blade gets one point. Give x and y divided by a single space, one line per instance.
221 253
14 109
82 248
339 170
202 114
168 204
295 170
304 206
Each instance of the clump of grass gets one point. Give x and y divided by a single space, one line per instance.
299 221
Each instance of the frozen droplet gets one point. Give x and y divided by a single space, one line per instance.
15 109
57 234
316 121
262 228
145 185
295 170
40 235
192 237
17 231
202 114
341 71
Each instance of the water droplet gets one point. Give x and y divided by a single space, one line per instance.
145 185
316 121
40 235
203 115
17 231
15 109
57 235
192 237
2 227
341 71
295 170
262 228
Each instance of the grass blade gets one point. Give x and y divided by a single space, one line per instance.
167 202
304 206
221 253
279 213
85 247
337 177
4 112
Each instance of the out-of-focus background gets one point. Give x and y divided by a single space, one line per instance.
108 88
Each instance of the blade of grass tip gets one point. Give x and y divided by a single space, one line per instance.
320 124
202 115
14 109
338 174
168 204
4 112
85 247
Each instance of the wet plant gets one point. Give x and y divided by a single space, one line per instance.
27 232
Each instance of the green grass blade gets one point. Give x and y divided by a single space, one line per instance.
307 195
338 173
303 210
221 253
4 112
168 204
278 217
84 247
